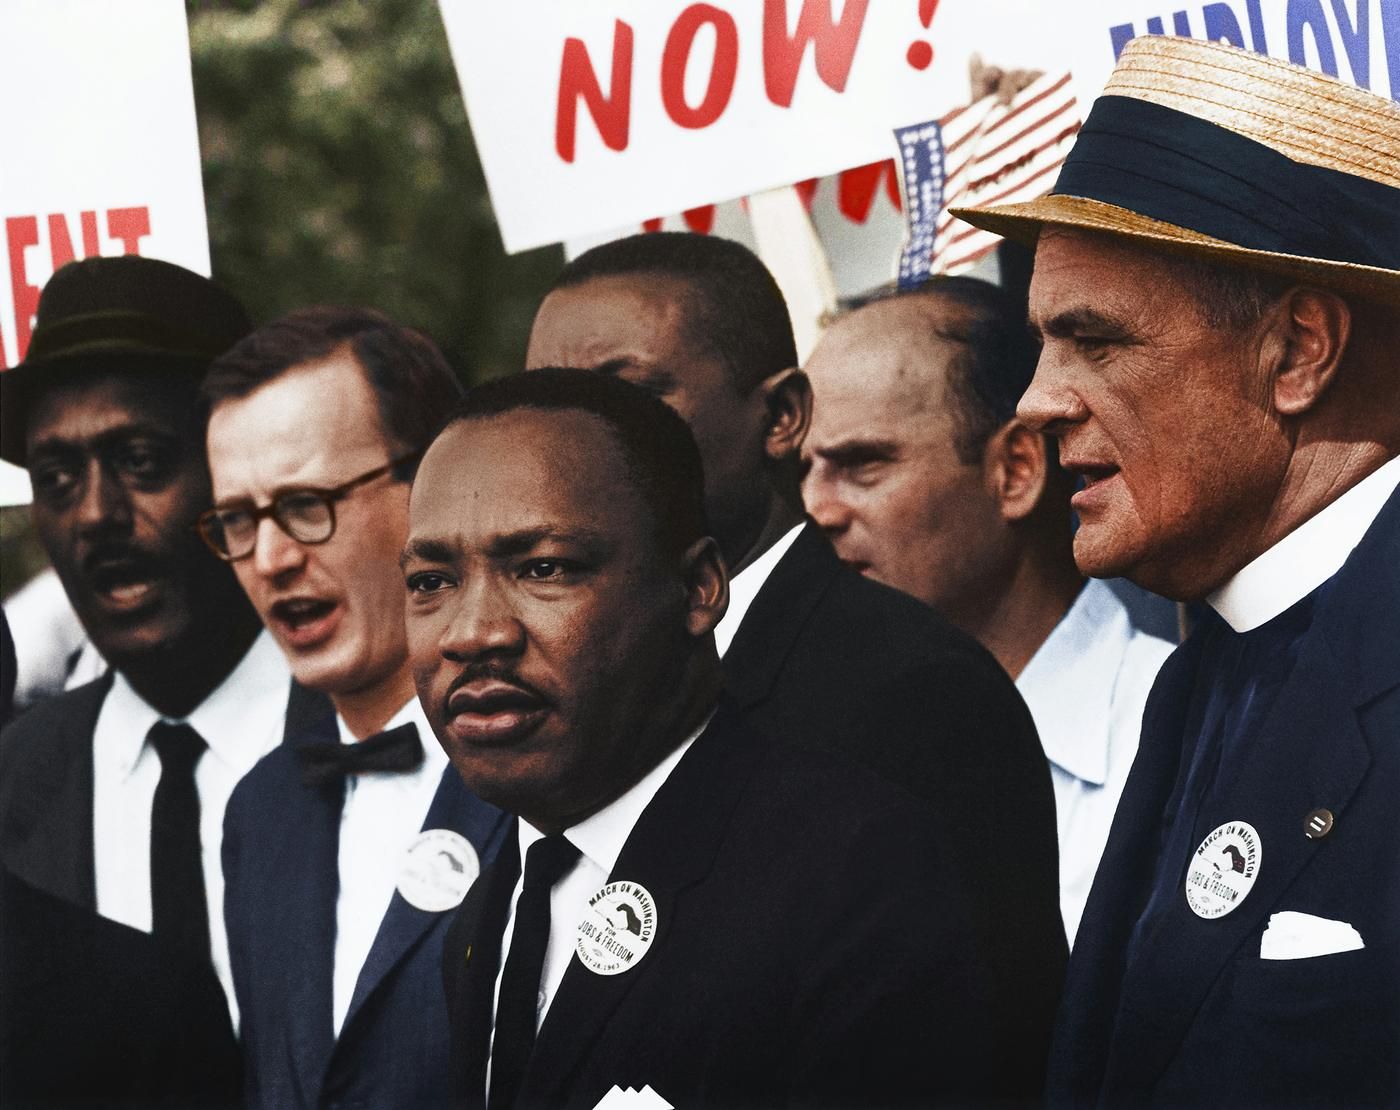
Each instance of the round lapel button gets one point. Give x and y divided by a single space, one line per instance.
1318 824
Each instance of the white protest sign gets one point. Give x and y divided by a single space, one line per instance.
100 151
593 114
1356 40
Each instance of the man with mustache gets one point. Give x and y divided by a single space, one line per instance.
113 794
921 474
812 650
1217 276
725 918
316 425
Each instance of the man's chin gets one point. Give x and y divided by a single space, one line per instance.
1100 553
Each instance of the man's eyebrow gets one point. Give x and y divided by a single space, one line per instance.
857 450
614 366
428 551
107 438
527 539
1076 321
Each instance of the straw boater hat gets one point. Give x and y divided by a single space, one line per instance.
1214 152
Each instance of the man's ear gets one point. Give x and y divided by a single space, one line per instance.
787 397
1305 341
706 586
1015 468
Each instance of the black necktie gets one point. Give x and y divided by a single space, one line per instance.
179 912
399 749
547 862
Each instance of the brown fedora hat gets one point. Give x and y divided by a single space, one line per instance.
1214 152
119 314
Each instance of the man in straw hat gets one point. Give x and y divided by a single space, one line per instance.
1216 281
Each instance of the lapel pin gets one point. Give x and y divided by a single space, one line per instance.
1318 824
1223 870
617 929
438 870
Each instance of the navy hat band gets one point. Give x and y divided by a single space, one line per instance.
1183 170
121 329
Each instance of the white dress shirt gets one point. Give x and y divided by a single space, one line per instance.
383 814
1305 558
744 587
599 840
1086 686
241 721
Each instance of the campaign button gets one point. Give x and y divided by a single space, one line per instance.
438 870
1223 870
1318 824
617 929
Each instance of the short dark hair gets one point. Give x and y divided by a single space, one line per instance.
998 356
414 388
657 446
736 308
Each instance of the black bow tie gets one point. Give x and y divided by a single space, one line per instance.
399 749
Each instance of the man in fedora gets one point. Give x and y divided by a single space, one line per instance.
1217 279
112 795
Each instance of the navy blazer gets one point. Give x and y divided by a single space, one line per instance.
281 874
810 949
1201 1019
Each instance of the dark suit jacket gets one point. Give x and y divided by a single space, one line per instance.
809 948
281 845
94 1013
46 832
1201 1019
46 787
829 659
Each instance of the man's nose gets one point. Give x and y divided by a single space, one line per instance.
1050 404
824 503
483 622
105 502
275 554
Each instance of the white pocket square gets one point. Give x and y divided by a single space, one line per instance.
1300 936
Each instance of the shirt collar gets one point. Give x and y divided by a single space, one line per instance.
1305 558
244 707
744 587
602 836
1068 684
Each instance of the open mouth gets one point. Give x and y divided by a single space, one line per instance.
303 621
1093 475
124 584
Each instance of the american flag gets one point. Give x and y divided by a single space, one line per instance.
995 154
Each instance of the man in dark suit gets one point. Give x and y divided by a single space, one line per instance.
813 651
720 916
1220 368
112 796
345 849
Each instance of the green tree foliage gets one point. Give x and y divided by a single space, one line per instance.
339 167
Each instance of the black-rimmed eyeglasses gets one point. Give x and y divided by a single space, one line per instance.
305 513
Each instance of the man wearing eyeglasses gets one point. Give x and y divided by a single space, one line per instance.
112 795
344 850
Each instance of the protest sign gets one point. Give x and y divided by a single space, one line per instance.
592 116
1356 40
101 153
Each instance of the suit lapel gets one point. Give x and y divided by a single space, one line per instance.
404 925
304 882
57 855
1122 883
777 616
1309 752
698 798
474 961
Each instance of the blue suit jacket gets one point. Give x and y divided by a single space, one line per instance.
281 842
1200 1018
